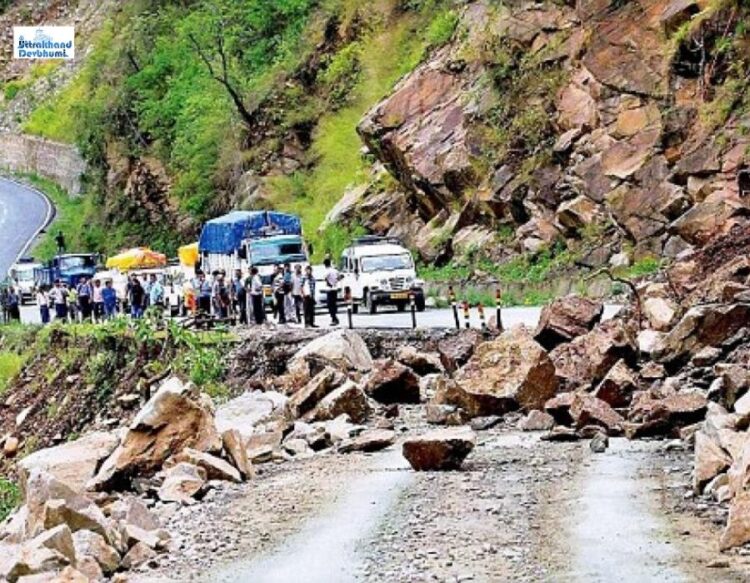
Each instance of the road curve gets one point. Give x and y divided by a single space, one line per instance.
23 213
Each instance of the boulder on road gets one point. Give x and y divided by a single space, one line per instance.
559 408
181 483
90 544
537 421
588 410
504 374
457 349
662 416
436 414
369 440
391 382
344 348
215 467
306 398
737 531
73 463
422 363
31 560
587 359
348 399
234 447
710 461
618 386
248 410
58 538
567 318
174 418
701 326
442 449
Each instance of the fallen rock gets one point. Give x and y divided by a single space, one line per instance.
90 544
618 386
537 421
215 467
345 348
561 433
504 374
73 462
737 531
347 399
137 555
567 318
58 538
32 560
588 410
442 449
485 423
586 359
710 460
392 382
305 399
701 326
249 410
662 416
236 452
369 440
445 414
173 419
599 443
181 483
131 510
661 313
559 408
455 351
422 363
10 446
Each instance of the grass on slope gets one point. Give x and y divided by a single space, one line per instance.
385 56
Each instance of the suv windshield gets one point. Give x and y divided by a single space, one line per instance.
387 262
77 262
265 254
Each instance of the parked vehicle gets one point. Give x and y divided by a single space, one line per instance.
22 277
380 271
68 268
245 239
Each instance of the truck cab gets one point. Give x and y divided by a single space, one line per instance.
266 253
68 268
22 277
381 271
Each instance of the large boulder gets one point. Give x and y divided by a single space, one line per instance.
182 482
248 410
306 398
73 463
618 386
90 544
456 350
174 418
737 531
348 399
504 374
442 449
710 460
587 359
701 326
587 410
215 467
392 382
369 440
662 416
344 348
567 318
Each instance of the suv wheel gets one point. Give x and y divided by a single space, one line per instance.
369 303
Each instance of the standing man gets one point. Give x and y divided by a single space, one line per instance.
240 296
278 295
60 300
155 293
288 298
84 298
332 278
137 299
256 296
14 301
109 300
308 297
72 303
203 290
60 241
42 300
98 301
297 280
220 295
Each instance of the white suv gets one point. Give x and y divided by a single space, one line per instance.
378 271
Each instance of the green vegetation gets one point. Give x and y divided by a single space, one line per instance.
10 365
641 268
10 497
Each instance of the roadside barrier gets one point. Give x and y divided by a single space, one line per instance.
467 322
413 308
482 322
454 306
499 309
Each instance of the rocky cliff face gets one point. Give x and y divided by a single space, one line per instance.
620 124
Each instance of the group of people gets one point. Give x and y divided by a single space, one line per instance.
90 300
292 295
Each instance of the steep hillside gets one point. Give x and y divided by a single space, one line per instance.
502 134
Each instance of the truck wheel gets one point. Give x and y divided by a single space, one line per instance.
419 302
401 306
355 307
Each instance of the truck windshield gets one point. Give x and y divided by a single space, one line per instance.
387 262
77 262
268 253
25 274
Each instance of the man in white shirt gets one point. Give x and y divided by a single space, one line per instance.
332 278
256 296
59 296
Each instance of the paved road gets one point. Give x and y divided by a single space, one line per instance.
23 212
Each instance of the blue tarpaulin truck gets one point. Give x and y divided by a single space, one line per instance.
245 239
68 268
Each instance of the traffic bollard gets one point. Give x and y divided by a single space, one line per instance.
466 314
452 298
499 309
482 322
413 311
